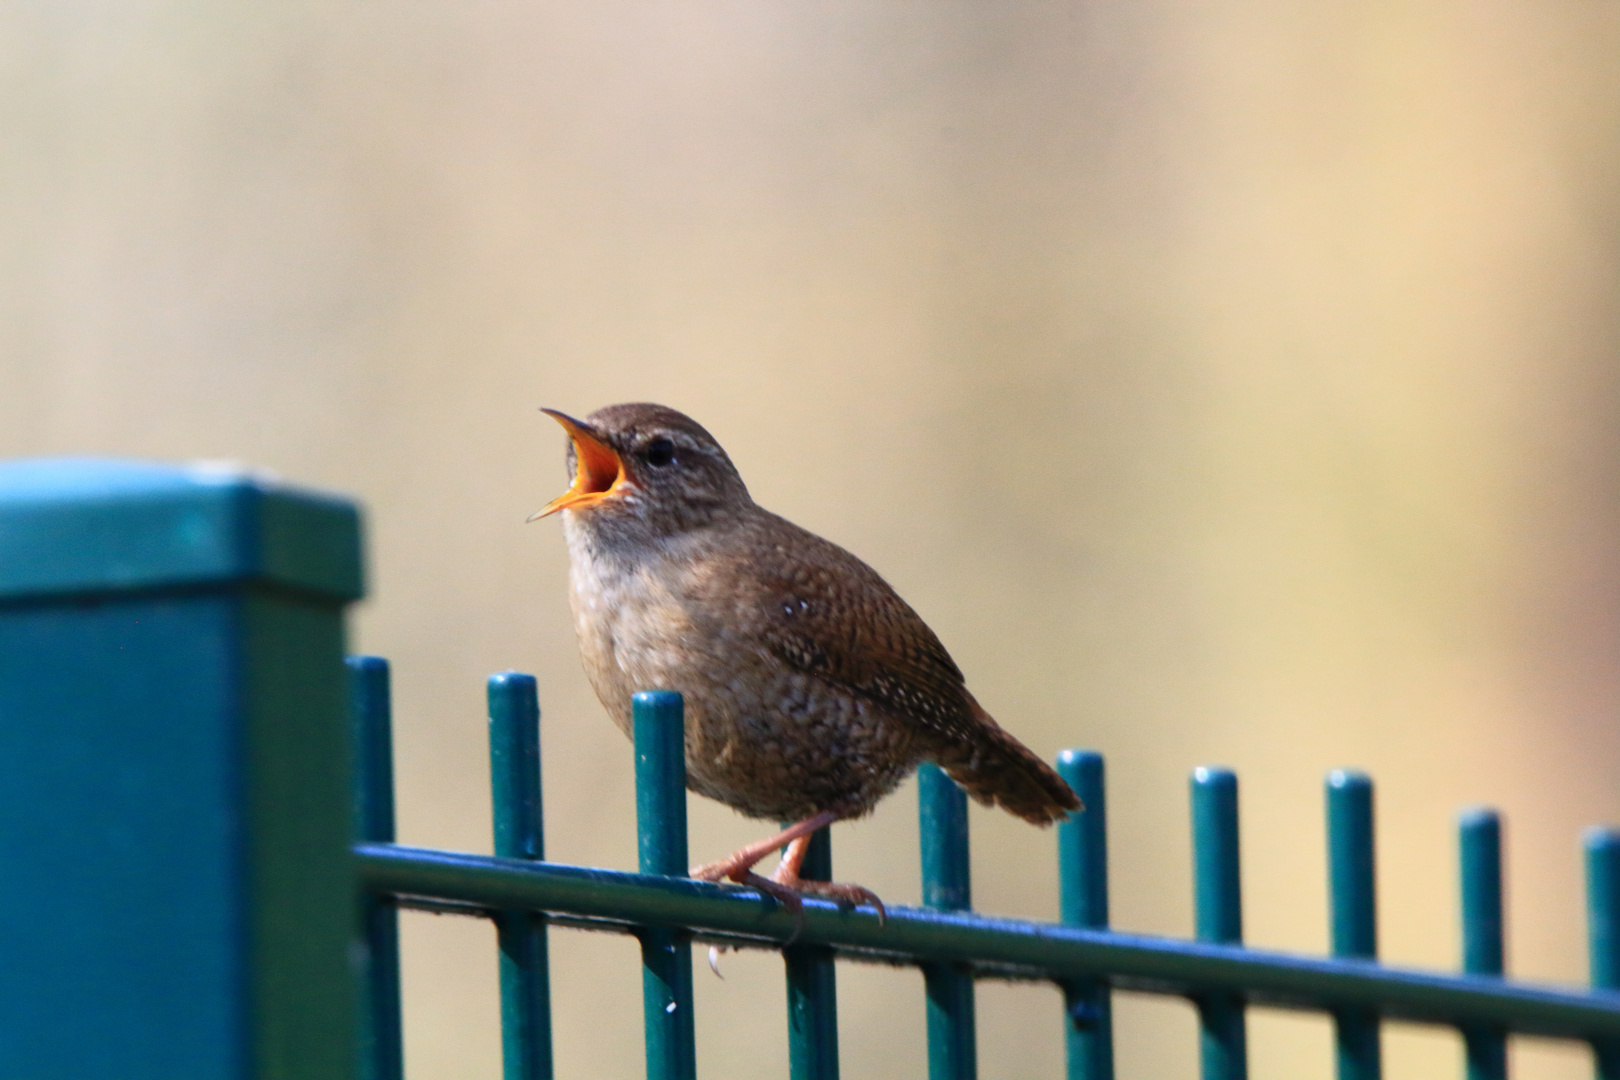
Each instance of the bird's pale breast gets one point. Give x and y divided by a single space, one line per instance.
767 740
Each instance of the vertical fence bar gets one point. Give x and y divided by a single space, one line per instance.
514 770
1479 843
812 989
1218 904
666 952
1083 901
1603 930
1354 911
947 886
382 1055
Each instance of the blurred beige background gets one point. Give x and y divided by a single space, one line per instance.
1224 384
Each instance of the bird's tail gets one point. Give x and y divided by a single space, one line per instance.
998 770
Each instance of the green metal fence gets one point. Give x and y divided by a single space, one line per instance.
951 945
177 816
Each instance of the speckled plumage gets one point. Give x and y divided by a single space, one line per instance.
810 686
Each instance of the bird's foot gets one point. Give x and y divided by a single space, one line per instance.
742 861
733 867
789 890
739 868
841 893
785 886
790 900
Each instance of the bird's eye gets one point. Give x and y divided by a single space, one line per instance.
659 452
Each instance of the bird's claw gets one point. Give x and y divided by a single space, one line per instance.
786 887
844 895
786 895
731 870
790 899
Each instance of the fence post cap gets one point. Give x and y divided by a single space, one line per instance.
98 525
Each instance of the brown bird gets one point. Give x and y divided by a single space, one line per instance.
811 688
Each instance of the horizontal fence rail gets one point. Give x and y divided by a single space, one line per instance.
951 945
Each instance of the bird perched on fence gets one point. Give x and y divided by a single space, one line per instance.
811 688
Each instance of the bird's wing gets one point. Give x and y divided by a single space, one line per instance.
822 611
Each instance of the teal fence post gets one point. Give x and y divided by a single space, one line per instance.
1479 844
382 1055
1603 930
812 988
947 886
1083 901
514 769
1354 912
666 952
1218 909
175 804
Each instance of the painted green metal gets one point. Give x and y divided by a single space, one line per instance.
953 946
1083 901
514 768
812 989
100 527
1354 913
947 885
175 805
666 947
1479 843
1351 864
1017 947
1218 916
382 1055
1603 906
1603 931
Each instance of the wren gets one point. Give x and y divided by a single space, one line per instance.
811 688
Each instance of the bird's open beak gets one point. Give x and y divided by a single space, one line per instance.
599 470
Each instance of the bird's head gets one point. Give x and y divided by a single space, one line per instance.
645 469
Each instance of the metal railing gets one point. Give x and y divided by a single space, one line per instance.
178 817
952 945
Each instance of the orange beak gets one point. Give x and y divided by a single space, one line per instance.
598 470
